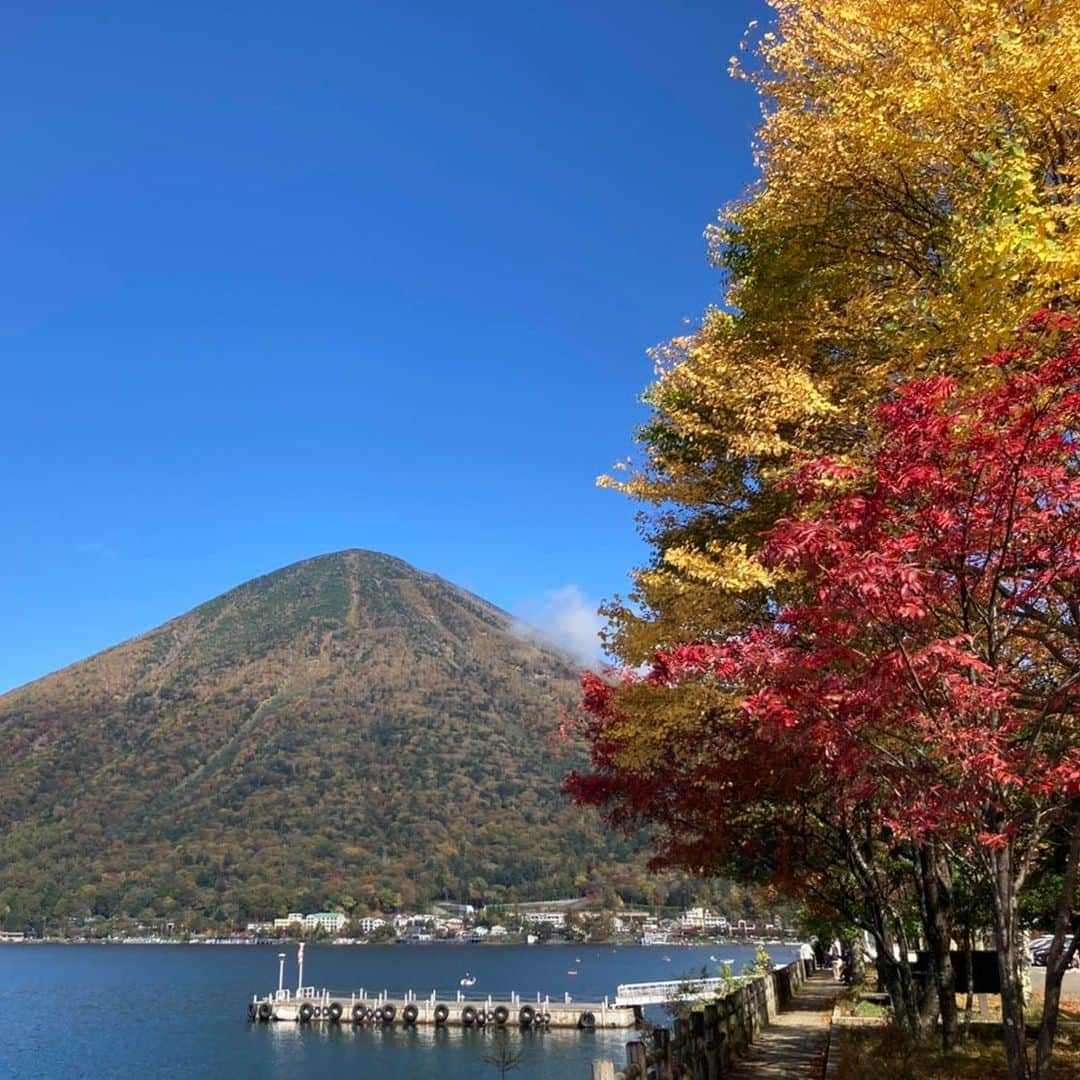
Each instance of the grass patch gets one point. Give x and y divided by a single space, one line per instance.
885 1054
851 1004
869 1008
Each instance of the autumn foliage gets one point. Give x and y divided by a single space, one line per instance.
853 650
926 671
933 665
918 197
936 657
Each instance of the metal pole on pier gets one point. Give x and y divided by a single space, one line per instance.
300 964
281 971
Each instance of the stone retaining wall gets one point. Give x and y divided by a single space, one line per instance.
713 1035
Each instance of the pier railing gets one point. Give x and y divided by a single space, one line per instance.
512 996
287 995
673 990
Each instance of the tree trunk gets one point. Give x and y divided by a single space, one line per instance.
887 928
969 977
935 887
1008 955
1057 963
894 971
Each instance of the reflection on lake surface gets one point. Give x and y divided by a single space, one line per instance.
436 1052
95 1012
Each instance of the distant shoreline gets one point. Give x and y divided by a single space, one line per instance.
224 943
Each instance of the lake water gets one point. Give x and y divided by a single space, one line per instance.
117 1011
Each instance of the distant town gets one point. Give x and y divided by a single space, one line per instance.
542 922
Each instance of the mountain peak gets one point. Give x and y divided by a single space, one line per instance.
362 590
347 725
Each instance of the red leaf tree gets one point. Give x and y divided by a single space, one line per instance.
926 677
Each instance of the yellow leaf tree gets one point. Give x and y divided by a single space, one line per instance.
918 196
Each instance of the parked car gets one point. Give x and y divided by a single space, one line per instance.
1041 950
1037 946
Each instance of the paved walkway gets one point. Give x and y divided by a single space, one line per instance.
793 1045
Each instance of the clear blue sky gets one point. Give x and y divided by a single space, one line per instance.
283 279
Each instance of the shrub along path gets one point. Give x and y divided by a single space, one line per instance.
793 1045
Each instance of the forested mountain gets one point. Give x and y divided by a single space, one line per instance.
345 731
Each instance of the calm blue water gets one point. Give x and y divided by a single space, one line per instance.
112 1011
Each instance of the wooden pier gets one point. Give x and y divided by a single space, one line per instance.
311 1006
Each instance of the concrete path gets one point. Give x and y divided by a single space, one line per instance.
1070 985
793 1045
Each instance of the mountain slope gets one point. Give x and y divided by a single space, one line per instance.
344 729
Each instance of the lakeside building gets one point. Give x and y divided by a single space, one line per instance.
333 922
629 922
292 917
552 918
463 910
699 918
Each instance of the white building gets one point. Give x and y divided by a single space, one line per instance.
292 917
552 918
331 921
369 923
702 919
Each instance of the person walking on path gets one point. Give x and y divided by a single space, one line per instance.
836 958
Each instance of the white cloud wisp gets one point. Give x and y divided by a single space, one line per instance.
565 618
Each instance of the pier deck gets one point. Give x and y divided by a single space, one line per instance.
454 1009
